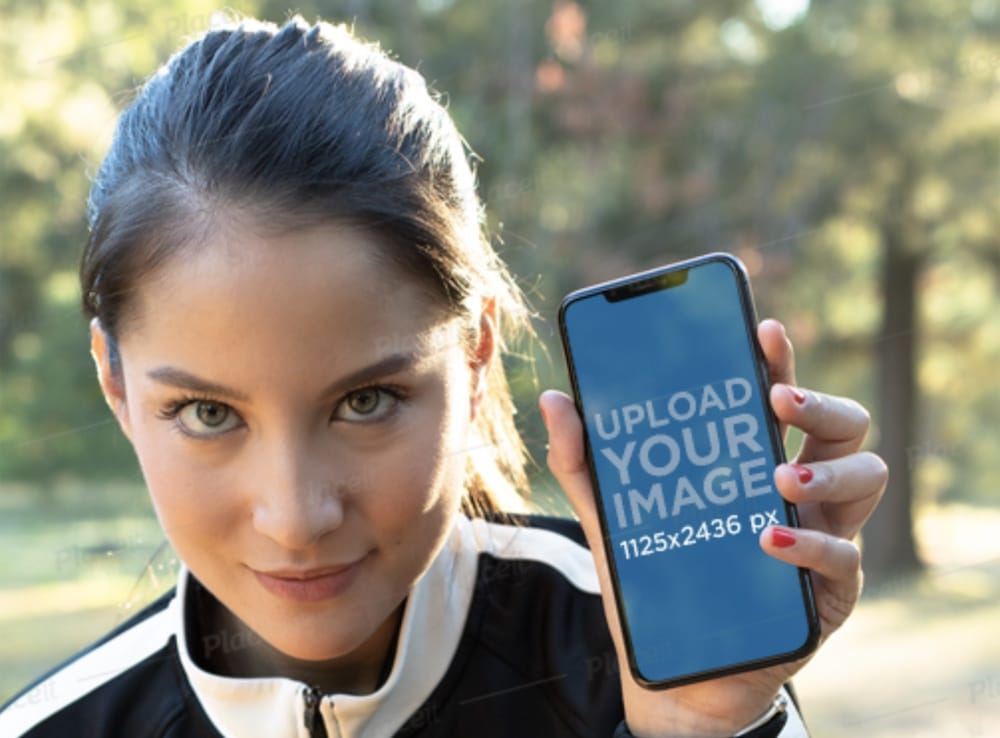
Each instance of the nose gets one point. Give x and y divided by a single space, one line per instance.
297 500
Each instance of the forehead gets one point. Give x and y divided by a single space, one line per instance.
325 294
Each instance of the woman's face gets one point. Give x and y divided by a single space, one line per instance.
301 414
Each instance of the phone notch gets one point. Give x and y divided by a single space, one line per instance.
663 281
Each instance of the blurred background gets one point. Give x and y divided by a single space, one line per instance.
848 152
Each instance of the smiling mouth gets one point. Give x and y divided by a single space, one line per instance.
309 585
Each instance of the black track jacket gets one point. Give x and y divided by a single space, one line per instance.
503 636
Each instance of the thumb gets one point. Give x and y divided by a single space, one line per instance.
568 464
566 458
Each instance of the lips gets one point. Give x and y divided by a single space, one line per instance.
309 585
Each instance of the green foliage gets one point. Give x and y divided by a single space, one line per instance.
613 136
55 421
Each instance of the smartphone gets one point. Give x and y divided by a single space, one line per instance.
681 442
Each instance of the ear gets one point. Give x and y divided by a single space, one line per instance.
112 383
483 353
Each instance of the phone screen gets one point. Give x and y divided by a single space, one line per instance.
684 450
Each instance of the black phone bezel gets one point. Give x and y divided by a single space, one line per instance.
643 282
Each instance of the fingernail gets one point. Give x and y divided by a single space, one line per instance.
804 473
798 395
782 537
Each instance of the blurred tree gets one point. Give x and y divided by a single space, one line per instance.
908 172
844 150
787 144
65 70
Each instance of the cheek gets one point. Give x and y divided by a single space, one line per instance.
192 499
417 486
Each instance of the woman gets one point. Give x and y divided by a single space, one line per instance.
297 322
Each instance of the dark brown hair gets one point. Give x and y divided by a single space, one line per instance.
296 126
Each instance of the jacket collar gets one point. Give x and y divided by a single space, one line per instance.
431 627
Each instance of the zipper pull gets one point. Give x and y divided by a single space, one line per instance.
313 718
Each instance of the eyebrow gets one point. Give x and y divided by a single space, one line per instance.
179 378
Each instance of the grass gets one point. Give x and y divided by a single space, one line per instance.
74 561
919 658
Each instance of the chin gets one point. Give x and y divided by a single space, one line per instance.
314 651
325 635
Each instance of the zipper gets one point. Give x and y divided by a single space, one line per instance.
313 718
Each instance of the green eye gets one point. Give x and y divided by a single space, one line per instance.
368 405
363 401
211 414
207 418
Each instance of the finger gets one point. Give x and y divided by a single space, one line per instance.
833 426
778 351
835 563
836 496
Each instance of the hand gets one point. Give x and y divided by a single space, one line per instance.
845 486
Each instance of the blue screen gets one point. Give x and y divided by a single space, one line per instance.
684 461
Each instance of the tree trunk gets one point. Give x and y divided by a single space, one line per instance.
520 79
889 545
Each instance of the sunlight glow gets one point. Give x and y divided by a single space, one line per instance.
780 14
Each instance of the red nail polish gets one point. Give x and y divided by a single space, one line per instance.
804 473
799 395
782 537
